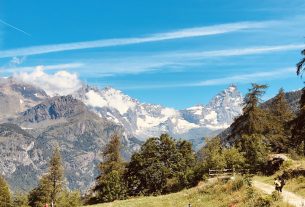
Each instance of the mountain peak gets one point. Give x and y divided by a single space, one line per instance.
232 88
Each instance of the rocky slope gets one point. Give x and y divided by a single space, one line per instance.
63 121
16 97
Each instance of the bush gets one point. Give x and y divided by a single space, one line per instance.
237 184
276 196
20 200
286 164
294 154
69 199
263 202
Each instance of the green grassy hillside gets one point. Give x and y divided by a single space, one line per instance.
233 193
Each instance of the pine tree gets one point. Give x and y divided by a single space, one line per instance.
301 64
298 125
110 184
40 195
280 116
56 176
5 195
255 150
51 185
249 131
254 120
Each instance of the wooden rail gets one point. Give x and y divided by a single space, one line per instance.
227 172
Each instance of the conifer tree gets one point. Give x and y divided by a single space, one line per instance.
5 195
248 131
301 64
298 125
254 119
280 116
110 184
56 176
51 185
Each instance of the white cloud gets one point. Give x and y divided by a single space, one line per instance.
183 33
247 78
238 51
176 60
240 78
154 62
16 61
59 83
45 67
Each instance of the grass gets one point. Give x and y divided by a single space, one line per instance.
233 193
295 185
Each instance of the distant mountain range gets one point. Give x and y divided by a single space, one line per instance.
143 120
31 122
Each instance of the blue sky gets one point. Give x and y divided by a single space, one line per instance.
175 53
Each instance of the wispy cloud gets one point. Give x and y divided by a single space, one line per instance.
240 78
175 60
183 33
14 27
238 51
44 67
247 78
148 63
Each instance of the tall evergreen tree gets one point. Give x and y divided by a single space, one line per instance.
254 119
5 195
110 184
301 64
56 176
249 131
51 185
298 125
281 114
40 195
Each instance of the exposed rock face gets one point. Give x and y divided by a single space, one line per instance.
63 121
16 97
292 98
17 156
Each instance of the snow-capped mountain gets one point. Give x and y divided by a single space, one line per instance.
219 113
143 120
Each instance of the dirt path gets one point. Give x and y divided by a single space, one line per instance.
288 197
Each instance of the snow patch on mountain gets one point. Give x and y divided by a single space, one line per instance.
143 120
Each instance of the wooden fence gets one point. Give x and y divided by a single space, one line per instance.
227 172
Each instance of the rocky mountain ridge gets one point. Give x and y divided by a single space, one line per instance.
82 123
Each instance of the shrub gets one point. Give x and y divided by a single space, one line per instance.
237 184
69 199
263 202
276 196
